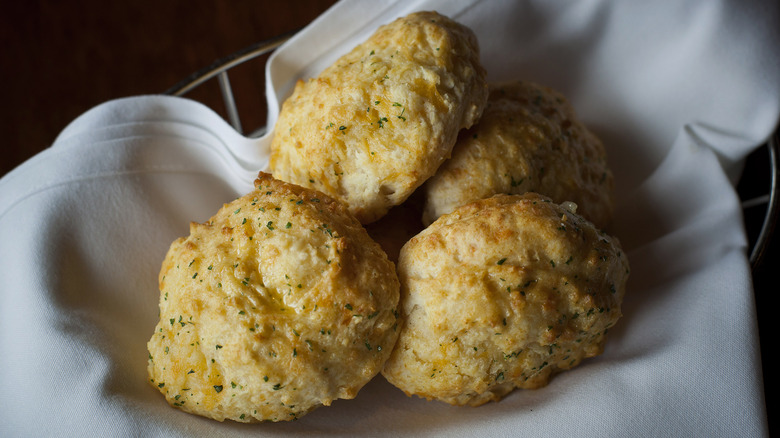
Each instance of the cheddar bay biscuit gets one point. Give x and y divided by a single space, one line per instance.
528 140
501 294
377 123
277 305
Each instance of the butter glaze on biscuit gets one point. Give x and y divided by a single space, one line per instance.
376 124
277 305
501 294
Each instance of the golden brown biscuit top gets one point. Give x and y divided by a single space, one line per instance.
529 139
500 294
278 304
378 122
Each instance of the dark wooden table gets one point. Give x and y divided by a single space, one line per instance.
61 58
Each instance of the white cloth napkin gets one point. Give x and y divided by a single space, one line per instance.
680 92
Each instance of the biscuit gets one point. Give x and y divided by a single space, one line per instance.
528 140
278 304
377 123
501 294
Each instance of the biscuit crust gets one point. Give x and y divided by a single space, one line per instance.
501 294
528 140
376 124
277 305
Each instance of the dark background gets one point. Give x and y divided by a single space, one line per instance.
59 59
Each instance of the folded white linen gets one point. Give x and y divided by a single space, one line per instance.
671 88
